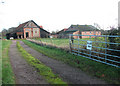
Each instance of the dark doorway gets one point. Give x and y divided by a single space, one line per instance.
27 34
14 36
20 36
8 35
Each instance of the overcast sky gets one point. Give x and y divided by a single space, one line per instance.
58 14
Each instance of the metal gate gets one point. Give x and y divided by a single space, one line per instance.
100 48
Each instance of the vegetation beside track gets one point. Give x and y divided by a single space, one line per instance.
102 71
7 73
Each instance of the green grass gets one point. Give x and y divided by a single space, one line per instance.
65 42
54 41
60 42
102 71
45 71
7 73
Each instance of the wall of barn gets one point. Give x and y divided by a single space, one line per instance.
75 33
36 32
90 33
20 35
86 33
44 34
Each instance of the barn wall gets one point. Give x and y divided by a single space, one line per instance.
75 33
86 33
36 32
44 34
19 33
90 33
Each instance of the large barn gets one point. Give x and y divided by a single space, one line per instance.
79 29
28 29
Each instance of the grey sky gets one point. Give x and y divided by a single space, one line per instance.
58 14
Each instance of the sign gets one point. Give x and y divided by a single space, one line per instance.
89 45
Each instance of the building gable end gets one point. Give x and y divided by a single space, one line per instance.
30 24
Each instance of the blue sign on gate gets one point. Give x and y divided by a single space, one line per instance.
89 45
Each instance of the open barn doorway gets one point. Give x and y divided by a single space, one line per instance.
27 34
19 36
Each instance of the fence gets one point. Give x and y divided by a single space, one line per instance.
101 48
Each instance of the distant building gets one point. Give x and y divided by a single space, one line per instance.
61 34
3 33
28 29
53 35
79 29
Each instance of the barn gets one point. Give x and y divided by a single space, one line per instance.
28 29
79 29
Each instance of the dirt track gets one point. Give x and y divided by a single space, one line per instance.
24 73
68 73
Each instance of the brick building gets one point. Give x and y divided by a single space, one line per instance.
28 29
79 29
90 33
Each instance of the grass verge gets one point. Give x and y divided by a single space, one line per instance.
102 71
43 70
7 73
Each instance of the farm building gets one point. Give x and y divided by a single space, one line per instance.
62 33
79 29
28 29
53 35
